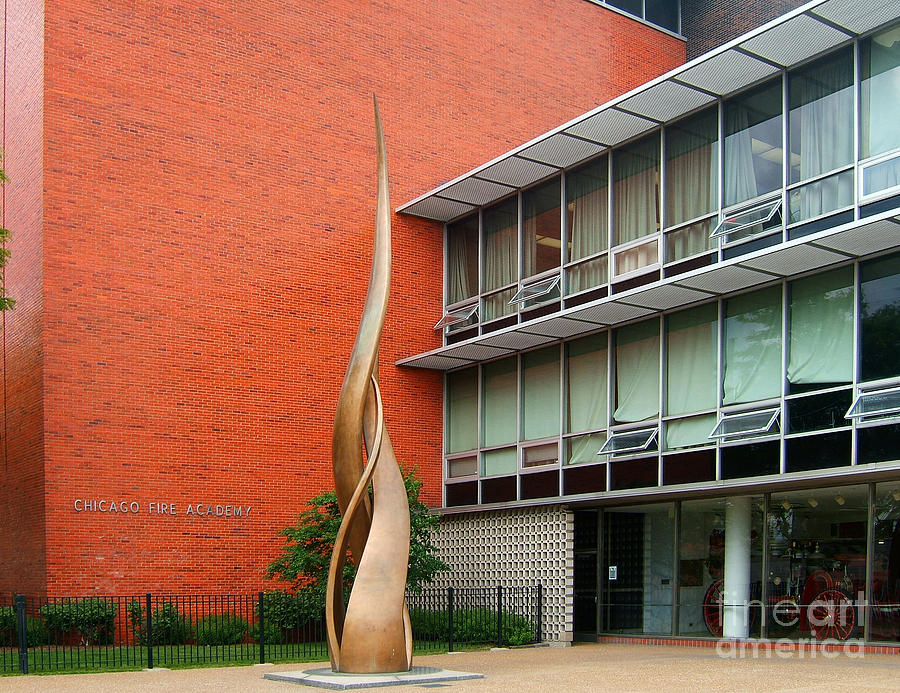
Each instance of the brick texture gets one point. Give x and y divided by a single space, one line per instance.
192 281
710 23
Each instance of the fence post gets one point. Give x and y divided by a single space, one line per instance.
149 632
499 615
262 630
22 630
450 619
540 604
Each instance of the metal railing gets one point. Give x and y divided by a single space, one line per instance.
154 630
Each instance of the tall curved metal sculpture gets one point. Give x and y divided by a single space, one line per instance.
374 634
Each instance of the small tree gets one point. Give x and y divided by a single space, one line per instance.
306 553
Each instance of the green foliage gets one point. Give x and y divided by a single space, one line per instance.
471 626
6 302
169 626
273 632
221 629
7 618
93 618
306 554
289 611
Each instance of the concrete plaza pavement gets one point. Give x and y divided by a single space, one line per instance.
584 667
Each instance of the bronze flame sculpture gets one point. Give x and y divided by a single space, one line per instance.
374 634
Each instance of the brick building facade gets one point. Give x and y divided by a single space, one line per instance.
191 204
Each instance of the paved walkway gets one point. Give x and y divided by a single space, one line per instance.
585 667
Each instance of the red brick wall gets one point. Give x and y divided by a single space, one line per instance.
208 211
22 566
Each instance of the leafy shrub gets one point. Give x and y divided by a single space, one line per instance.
7 618
290 611
273 632
93 618
473 626
221 629
170 627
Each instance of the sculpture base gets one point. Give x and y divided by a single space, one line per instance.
326 678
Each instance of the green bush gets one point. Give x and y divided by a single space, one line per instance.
7 618
221 629
93 618
170 627
290 611
474 626
274 633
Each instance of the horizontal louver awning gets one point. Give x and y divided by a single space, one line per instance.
796 36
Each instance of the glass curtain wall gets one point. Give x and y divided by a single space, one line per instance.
879 323
720 553
879 95
637 573
587 218
540 394
821 135
462 260
541 240
752 360
636 202
884 601
753 143
500 256
637 372
691 183
586 397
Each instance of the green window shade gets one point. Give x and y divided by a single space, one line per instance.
821 328
587 384
684 433
637 372
691 342
499 402
462 410
753 346
540 394
499 462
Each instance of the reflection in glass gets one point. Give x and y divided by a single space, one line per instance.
884 613
702 561
541 238
637 573
462 259
880 93
817 557
821 329
753 146
879 308
821 197
753 346
501 246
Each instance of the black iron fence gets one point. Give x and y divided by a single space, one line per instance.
164 630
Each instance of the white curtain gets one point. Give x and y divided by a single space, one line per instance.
637 372
740 176
587 196
753 346
826 133
460 284
635 198
500 247
821 329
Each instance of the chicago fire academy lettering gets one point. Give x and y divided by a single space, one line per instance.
126 507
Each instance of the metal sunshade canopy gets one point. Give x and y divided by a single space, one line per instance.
792 38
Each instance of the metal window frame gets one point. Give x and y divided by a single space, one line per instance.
721 232
454 317
880 413
774 412
523 295
653 433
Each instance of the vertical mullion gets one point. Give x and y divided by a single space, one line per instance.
857 130
785 155
563 393
785 337
857 335
661 330
720 173
720 372
870 566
